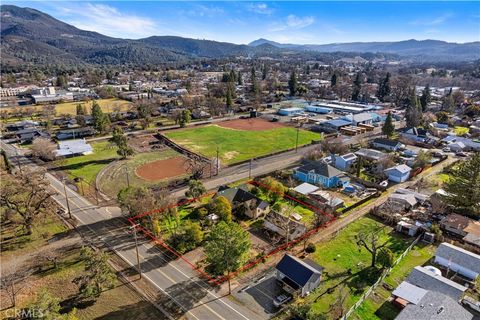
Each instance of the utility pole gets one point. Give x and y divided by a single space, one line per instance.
66 199
134 228
128 178
296 142
218 160
250 169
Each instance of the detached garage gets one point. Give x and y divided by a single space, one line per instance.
459 260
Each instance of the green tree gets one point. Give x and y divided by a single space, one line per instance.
227 247
273 188
385 257
357 87
185 118
188 237
333 80
448 103
463 186
120 140
388 127
423 158
46 306
228 100
384 88
101 121
98 274
221 207
195 189
136 200
293 83
253 79
80 110
425 98
62 81
264 72
239 79
413 114
442 116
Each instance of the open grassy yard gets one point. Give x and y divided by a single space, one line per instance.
88 166
114 177
238 145
377 306
347 271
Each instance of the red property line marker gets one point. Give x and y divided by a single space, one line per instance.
248 265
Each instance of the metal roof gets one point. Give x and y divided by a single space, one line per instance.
298 271
306 188
409 292
460 256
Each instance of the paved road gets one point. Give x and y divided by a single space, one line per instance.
175 279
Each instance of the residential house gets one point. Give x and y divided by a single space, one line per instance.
299 277
432 305
241 199
288 227
387 144
430 278
462 226
344 162
461 143
73 148
407 228
371 154
459 260
75 133
417 135
325 199
402 201
29 134
322 174
399 173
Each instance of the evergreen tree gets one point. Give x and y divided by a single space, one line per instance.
293 83
448 103
388 128
413 114
425 98
384 89
253 79
101 121
463 186
185 117
264 72
333 80
239 79
229 101
80 110
119 138
357 86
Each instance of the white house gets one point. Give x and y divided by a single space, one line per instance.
458 260
398 173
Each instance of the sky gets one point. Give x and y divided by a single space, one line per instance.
313 22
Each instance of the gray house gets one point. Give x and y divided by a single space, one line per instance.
463 262
298 276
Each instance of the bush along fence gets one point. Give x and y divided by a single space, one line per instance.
380 280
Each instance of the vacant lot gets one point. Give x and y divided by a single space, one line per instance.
347 271
142 169
238 145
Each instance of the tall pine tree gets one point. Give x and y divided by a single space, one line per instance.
413 113
293 83
388 128
425 98
384 89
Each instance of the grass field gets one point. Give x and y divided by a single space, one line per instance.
347 268
114 178
238 145
377 306
88 166
107 105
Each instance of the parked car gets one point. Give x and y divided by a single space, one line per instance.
446 149
281 300
461 154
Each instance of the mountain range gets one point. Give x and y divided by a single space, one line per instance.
29 36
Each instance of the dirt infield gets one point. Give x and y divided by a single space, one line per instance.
254 124
162 169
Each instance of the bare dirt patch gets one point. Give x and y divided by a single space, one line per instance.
254 124
162 169
145 143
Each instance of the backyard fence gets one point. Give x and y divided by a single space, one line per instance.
380 280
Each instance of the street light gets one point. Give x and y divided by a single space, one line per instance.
134 229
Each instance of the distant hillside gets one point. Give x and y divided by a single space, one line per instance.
423 49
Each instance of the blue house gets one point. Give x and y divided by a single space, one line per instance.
398 173
322 174
344 162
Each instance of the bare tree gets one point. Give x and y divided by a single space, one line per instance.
11 281
44 149
195 167
370 240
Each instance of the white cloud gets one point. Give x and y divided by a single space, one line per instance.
260 8
292 22
205 11
432 21
109 21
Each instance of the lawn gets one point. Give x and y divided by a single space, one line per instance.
377 306
239 145
347 270
88 166
114 178
461 131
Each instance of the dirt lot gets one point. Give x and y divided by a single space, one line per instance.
254 124
162 169
145 143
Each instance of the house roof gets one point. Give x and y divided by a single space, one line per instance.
299 271
427 279
359 117
408 198
409 292
349 156
456 221
434 306
401 168
386 142
240 195
459 256
371 154
305 188
337 123
71 147
321 168
419 196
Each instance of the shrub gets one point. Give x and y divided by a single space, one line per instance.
310 248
